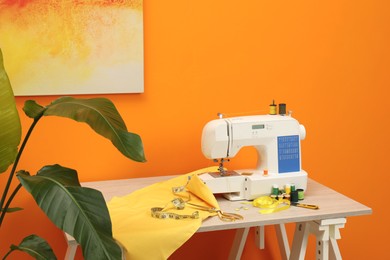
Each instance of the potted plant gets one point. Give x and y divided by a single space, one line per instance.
78 211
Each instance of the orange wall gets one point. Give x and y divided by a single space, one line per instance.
328 60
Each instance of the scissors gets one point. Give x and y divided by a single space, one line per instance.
227 217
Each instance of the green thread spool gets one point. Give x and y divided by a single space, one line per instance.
275 190
301 194
292 186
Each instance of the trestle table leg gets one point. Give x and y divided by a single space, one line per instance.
284 246
298 249
238 243
327 232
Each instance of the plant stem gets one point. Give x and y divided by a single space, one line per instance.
9 201
8 253
12 173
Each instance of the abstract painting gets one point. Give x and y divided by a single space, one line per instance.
62 47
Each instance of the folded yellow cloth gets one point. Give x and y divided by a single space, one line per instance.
145 237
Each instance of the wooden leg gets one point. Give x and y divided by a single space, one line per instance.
301 234
281 235
334 252
259 238
238 243
284 247
327 232
72 247
334 235
71 251
322 249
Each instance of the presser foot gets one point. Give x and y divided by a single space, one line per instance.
224 174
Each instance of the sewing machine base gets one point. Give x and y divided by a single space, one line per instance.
249 187
224 174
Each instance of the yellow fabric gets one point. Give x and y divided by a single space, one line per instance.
197 187
271 205
145 237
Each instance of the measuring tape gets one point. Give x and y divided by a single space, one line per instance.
158 213
178 203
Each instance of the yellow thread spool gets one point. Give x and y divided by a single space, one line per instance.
272 108
287 188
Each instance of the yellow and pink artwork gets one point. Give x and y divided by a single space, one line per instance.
61 47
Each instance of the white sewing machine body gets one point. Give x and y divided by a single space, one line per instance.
277 141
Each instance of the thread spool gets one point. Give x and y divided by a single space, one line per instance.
272 108
275 190
292 186
282 109
287 188
294 196
301 194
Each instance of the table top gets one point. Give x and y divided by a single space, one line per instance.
332 204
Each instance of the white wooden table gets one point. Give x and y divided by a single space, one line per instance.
324 223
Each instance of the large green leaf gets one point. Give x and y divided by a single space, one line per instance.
32 109
102 116
35 246
10 128
79 211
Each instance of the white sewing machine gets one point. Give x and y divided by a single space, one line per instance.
277 141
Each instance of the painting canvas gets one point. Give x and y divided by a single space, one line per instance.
61 47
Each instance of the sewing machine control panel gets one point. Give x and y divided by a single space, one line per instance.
257 126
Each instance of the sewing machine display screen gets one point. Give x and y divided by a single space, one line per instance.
288 154
255 127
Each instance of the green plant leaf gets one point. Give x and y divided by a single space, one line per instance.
35 246
10 128
65 176
102 116
81 212
32 109
10 210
